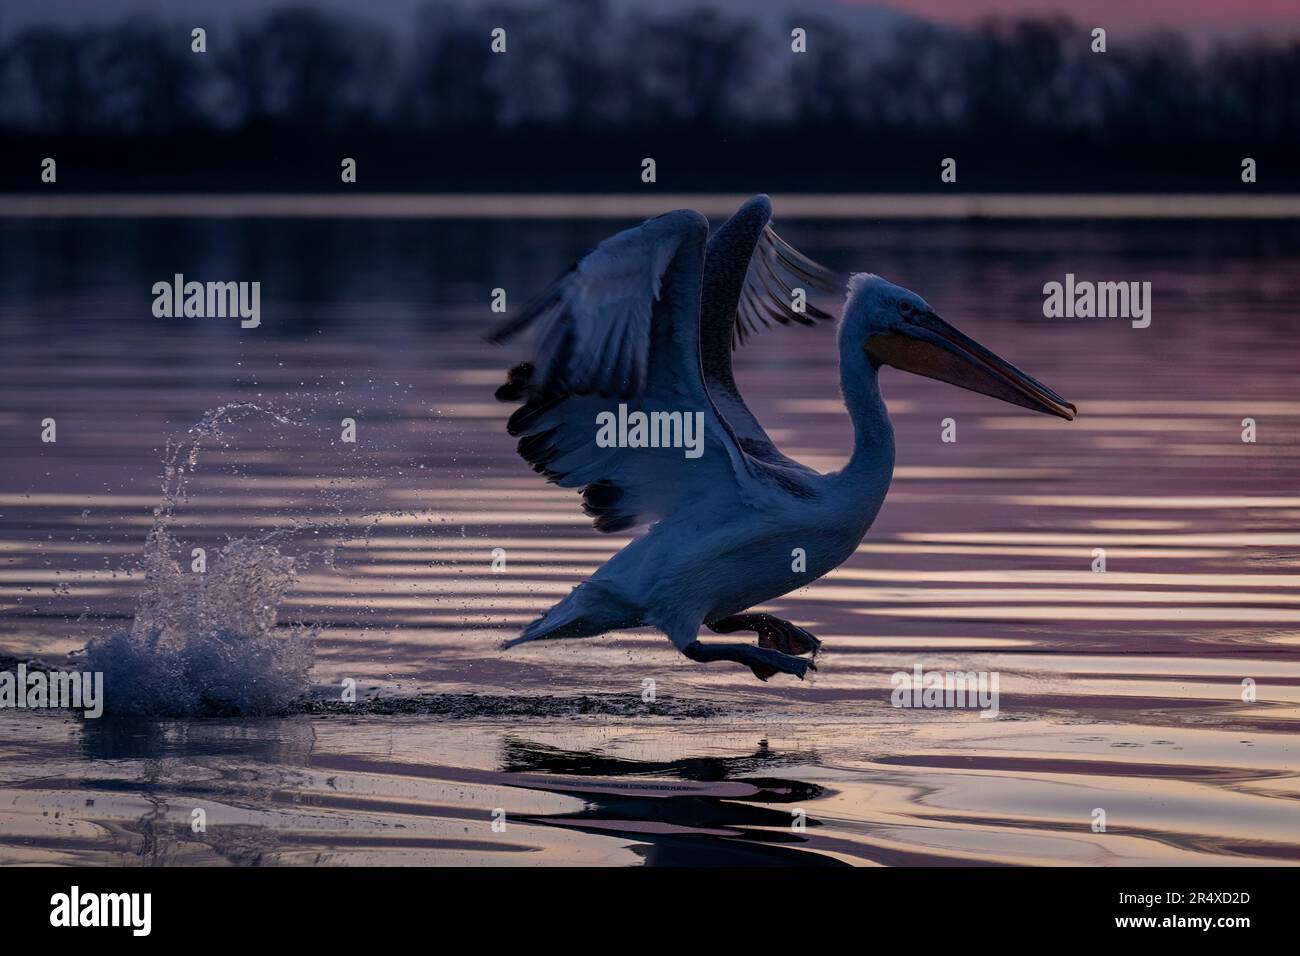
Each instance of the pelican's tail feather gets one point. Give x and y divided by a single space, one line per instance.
548 625
565 619
586 612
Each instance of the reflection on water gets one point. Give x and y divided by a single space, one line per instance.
748 819
1121 690
300 790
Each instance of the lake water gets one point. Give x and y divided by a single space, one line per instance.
1121 691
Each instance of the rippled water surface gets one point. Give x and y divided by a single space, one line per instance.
1121 691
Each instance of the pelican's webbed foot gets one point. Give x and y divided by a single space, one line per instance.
772 632
763 661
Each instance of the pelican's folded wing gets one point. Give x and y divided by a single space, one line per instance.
617 335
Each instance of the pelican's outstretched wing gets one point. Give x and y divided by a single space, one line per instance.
619 333
750 274
776 270
593 323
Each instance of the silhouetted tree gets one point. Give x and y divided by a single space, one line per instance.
694 67
46 83
146 78
454 80
307 68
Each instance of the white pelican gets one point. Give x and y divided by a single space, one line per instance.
648 320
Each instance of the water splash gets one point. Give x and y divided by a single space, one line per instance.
206 644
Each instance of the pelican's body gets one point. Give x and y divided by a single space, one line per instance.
692 566
649 320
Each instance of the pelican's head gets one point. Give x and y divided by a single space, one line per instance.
897 327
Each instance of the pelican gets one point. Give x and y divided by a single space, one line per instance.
648 320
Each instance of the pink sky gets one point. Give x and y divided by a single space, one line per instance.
1199 17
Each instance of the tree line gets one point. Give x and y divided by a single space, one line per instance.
578 69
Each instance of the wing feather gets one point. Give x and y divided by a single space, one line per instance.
776 269
622 326
750 274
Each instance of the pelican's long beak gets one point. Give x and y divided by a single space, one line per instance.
927 345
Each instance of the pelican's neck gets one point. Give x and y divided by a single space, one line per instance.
873 435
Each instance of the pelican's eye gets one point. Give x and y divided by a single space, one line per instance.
906 309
